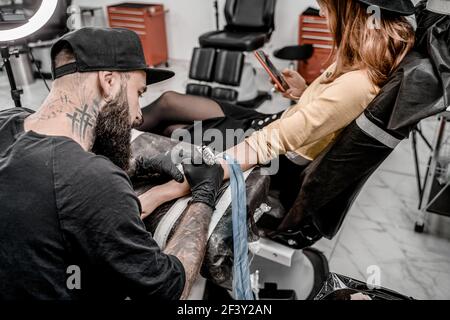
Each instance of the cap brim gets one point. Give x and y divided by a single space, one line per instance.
157 75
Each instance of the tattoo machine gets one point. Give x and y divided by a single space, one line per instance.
208 155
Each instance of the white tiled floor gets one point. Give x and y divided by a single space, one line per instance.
379 227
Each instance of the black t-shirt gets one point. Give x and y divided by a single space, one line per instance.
68 215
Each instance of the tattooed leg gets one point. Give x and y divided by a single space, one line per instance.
189 242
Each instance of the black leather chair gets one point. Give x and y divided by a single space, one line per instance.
202 69
250 24
221 58
331 183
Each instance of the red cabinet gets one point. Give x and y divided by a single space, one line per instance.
314 30
148 21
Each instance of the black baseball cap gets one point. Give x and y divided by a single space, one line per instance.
105 49
400 7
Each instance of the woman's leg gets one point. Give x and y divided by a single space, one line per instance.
173 108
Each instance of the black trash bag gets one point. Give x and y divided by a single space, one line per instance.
338 287
418 89
333 180
433 38
412 94
218 262
423 79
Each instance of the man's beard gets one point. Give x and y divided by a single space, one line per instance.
113 132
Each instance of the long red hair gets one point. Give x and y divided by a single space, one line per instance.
360 46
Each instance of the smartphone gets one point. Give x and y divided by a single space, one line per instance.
273 72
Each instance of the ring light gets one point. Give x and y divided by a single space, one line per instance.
40 18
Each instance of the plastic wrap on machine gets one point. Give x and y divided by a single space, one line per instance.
338 287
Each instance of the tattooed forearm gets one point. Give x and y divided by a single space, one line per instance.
189 242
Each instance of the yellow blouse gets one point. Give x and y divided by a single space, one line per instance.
320 115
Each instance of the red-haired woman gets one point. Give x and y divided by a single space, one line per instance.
365 57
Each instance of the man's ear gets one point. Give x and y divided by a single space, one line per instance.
106 82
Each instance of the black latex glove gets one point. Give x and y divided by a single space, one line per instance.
205 182
161 164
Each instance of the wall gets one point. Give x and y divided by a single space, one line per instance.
188 19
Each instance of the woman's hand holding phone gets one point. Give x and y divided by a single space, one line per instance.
297 85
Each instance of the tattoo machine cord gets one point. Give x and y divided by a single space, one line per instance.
33 60
242 288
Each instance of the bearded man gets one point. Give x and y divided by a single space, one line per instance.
70 222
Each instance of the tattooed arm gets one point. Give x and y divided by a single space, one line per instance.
243 154
188 243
